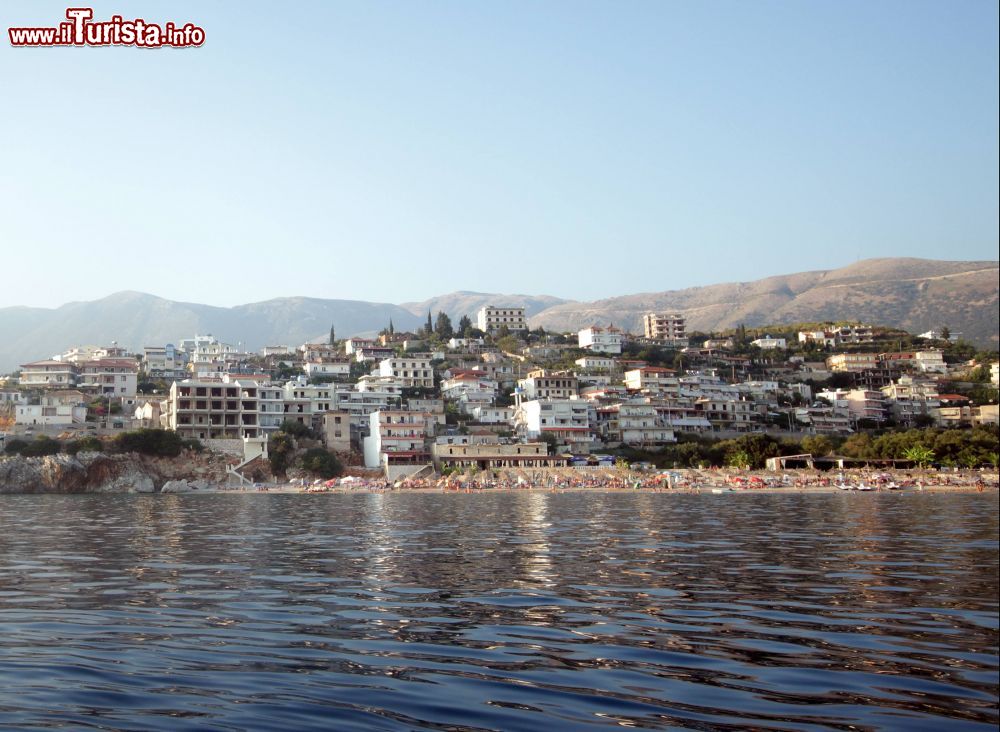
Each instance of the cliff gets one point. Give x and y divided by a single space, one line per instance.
95 472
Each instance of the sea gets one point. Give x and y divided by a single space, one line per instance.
499 611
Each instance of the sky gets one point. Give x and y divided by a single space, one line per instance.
394 151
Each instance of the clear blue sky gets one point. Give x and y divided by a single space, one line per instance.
392 151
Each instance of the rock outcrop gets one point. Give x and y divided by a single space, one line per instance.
86 472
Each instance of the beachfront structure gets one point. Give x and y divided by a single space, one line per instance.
670 328
542 384
214 408
601 340
415 369
567 420
494 455
637 424
336 431
491 319
398 437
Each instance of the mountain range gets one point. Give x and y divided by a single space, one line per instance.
913 294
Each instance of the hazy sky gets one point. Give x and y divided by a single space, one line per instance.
392 151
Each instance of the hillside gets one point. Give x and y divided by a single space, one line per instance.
914 294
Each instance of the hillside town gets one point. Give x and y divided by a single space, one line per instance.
490 393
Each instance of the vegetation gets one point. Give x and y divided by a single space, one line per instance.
322 462
162 443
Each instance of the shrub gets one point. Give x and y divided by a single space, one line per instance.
15 446
84 444
42 445
297 429
163 443
321 462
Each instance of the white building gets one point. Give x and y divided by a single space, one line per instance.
600 340
652 380
49 373
542 384
595 363
401 432
327 369
667 327
767 343
565 419
53 408
492 319
415 369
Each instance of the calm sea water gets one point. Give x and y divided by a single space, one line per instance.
501 612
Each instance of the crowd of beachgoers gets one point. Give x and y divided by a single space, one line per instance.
569 479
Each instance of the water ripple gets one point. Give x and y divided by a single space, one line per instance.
499 612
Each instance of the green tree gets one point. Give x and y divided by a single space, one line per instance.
333 335
280 447
163 443
740 459
429 327
443 327
945 333
464 326
817 445
919 454
322 462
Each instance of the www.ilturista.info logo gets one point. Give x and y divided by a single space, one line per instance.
81 30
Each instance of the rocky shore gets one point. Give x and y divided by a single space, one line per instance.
97 472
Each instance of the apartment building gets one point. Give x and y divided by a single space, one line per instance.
214 409
164 362
401 432
415 370
117 377
491 319
542 384
48 373
639 424
494 455
767 343
666 327
652 379
567 420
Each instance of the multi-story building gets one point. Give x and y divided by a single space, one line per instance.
398 437
666 327
493 415
214 409
415 369
337 431
567 420
117 377
908 399
163 362
866 404
852 362
727 414
639 424
491 319
652 379
601 340
542 384
48 373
